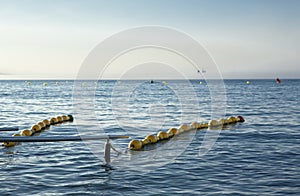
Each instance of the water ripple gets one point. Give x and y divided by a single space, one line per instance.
258 157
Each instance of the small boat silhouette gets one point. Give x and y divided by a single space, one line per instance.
278 81
202 71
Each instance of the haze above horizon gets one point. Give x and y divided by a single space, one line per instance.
247 39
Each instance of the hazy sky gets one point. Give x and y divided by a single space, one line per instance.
247 39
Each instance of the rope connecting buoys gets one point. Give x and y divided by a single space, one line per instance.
39 127
152 139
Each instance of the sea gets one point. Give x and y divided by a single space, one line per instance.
260 156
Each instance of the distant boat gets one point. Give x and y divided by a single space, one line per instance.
151 82
202 71
278 81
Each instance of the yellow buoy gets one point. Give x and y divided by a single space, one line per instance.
162 135
26 132
8 144
145 142
151 138
46 122
65 118
135 145
172 131
42 124
182 128
195 125
57 83
45 84
53 120
36 128
28 83
222 121
213 123
231 119
60 119
248 82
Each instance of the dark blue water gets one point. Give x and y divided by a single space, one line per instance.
258 157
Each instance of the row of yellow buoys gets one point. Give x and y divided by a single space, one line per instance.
38 127
58 83
45 83
152 139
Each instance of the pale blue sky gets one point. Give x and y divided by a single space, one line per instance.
247 39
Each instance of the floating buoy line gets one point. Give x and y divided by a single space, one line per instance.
24 135
133 144
38 127
173 132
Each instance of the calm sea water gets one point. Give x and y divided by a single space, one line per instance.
258 157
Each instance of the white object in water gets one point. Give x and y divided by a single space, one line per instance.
107 147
